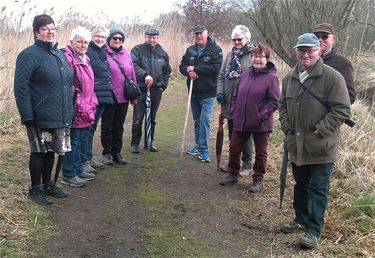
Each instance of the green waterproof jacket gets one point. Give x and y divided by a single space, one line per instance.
312 129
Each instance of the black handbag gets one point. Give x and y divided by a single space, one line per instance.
131 89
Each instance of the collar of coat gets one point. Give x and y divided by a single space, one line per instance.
313 71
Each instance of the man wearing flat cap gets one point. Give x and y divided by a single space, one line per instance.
151 64
314 103
326 34
201 63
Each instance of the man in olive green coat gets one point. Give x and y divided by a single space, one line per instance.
312 134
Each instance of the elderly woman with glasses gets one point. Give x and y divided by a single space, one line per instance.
113 117
237 61
85 107
103 91
44 96
255 101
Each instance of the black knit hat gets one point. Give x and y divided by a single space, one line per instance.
40 21
115 29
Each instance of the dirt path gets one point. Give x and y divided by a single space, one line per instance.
160 205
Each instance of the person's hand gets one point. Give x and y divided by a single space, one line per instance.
134 102
190 68
220 98
149 81
161 89
193 75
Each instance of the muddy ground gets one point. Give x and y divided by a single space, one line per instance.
161 205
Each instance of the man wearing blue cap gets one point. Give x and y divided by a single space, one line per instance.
314 103
151 65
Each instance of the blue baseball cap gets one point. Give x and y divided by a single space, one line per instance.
307 40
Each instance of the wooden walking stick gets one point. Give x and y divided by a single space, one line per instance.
186 118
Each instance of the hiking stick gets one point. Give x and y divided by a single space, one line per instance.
186 118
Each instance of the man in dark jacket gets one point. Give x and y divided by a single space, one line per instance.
201 63
313 105
326 34
151 65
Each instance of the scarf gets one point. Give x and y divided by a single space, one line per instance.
234 69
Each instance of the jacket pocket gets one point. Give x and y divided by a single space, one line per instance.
315 144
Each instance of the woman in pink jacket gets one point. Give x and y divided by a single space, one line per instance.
113 117
85 106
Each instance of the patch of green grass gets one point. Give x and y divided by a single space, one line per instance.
363 212
170 241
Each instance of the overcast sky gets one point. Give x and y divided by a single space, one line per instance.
147 10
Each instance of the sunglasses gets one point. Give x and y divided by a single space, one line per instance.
117 38
323 36
238 40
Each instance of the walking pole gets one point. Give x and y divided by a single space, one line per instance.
148 120
186 118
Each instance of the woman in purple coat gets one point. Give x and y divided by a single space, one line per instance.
252 111
85 106
113 117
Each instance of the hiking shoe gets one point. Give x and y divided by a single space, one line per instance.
87 168
119 159
291 227
37 195
153 149
134 149
52 190
86 176
225 169
204 156
245 172
193 151
308 241
256 186
74 181
107 159
231 179
96 164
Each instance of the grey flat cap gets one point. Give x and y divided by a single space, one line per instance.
152 32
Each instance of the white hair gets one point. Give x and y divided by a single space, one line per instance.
80 32
99 28
241 30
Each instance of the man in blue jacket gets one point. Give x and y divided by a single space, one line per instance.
151 65
201 63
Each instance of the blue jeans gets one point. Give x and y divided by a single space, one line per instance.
202 110
86 148
71 165
311 195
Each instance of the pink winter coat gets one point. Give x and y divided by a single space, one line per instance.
83 87
118 79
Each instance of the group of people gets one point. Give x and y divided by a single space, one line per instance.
61 95
314 102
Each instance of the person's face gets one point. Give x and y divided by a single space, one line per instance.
201 38
80 45
327 41
307 56
116 41
99 38
239 41
47 33
152 40
259 61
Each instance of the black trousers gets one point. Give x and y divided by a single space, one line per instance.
139 114
113 119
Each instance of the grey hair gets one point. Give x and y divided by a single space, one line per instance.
98 28
80 32
241 30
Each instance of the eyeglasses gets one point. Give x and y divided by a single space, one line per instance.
99 36
117 38
323 36
47 29
309 51
238 40
258 56
82 42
